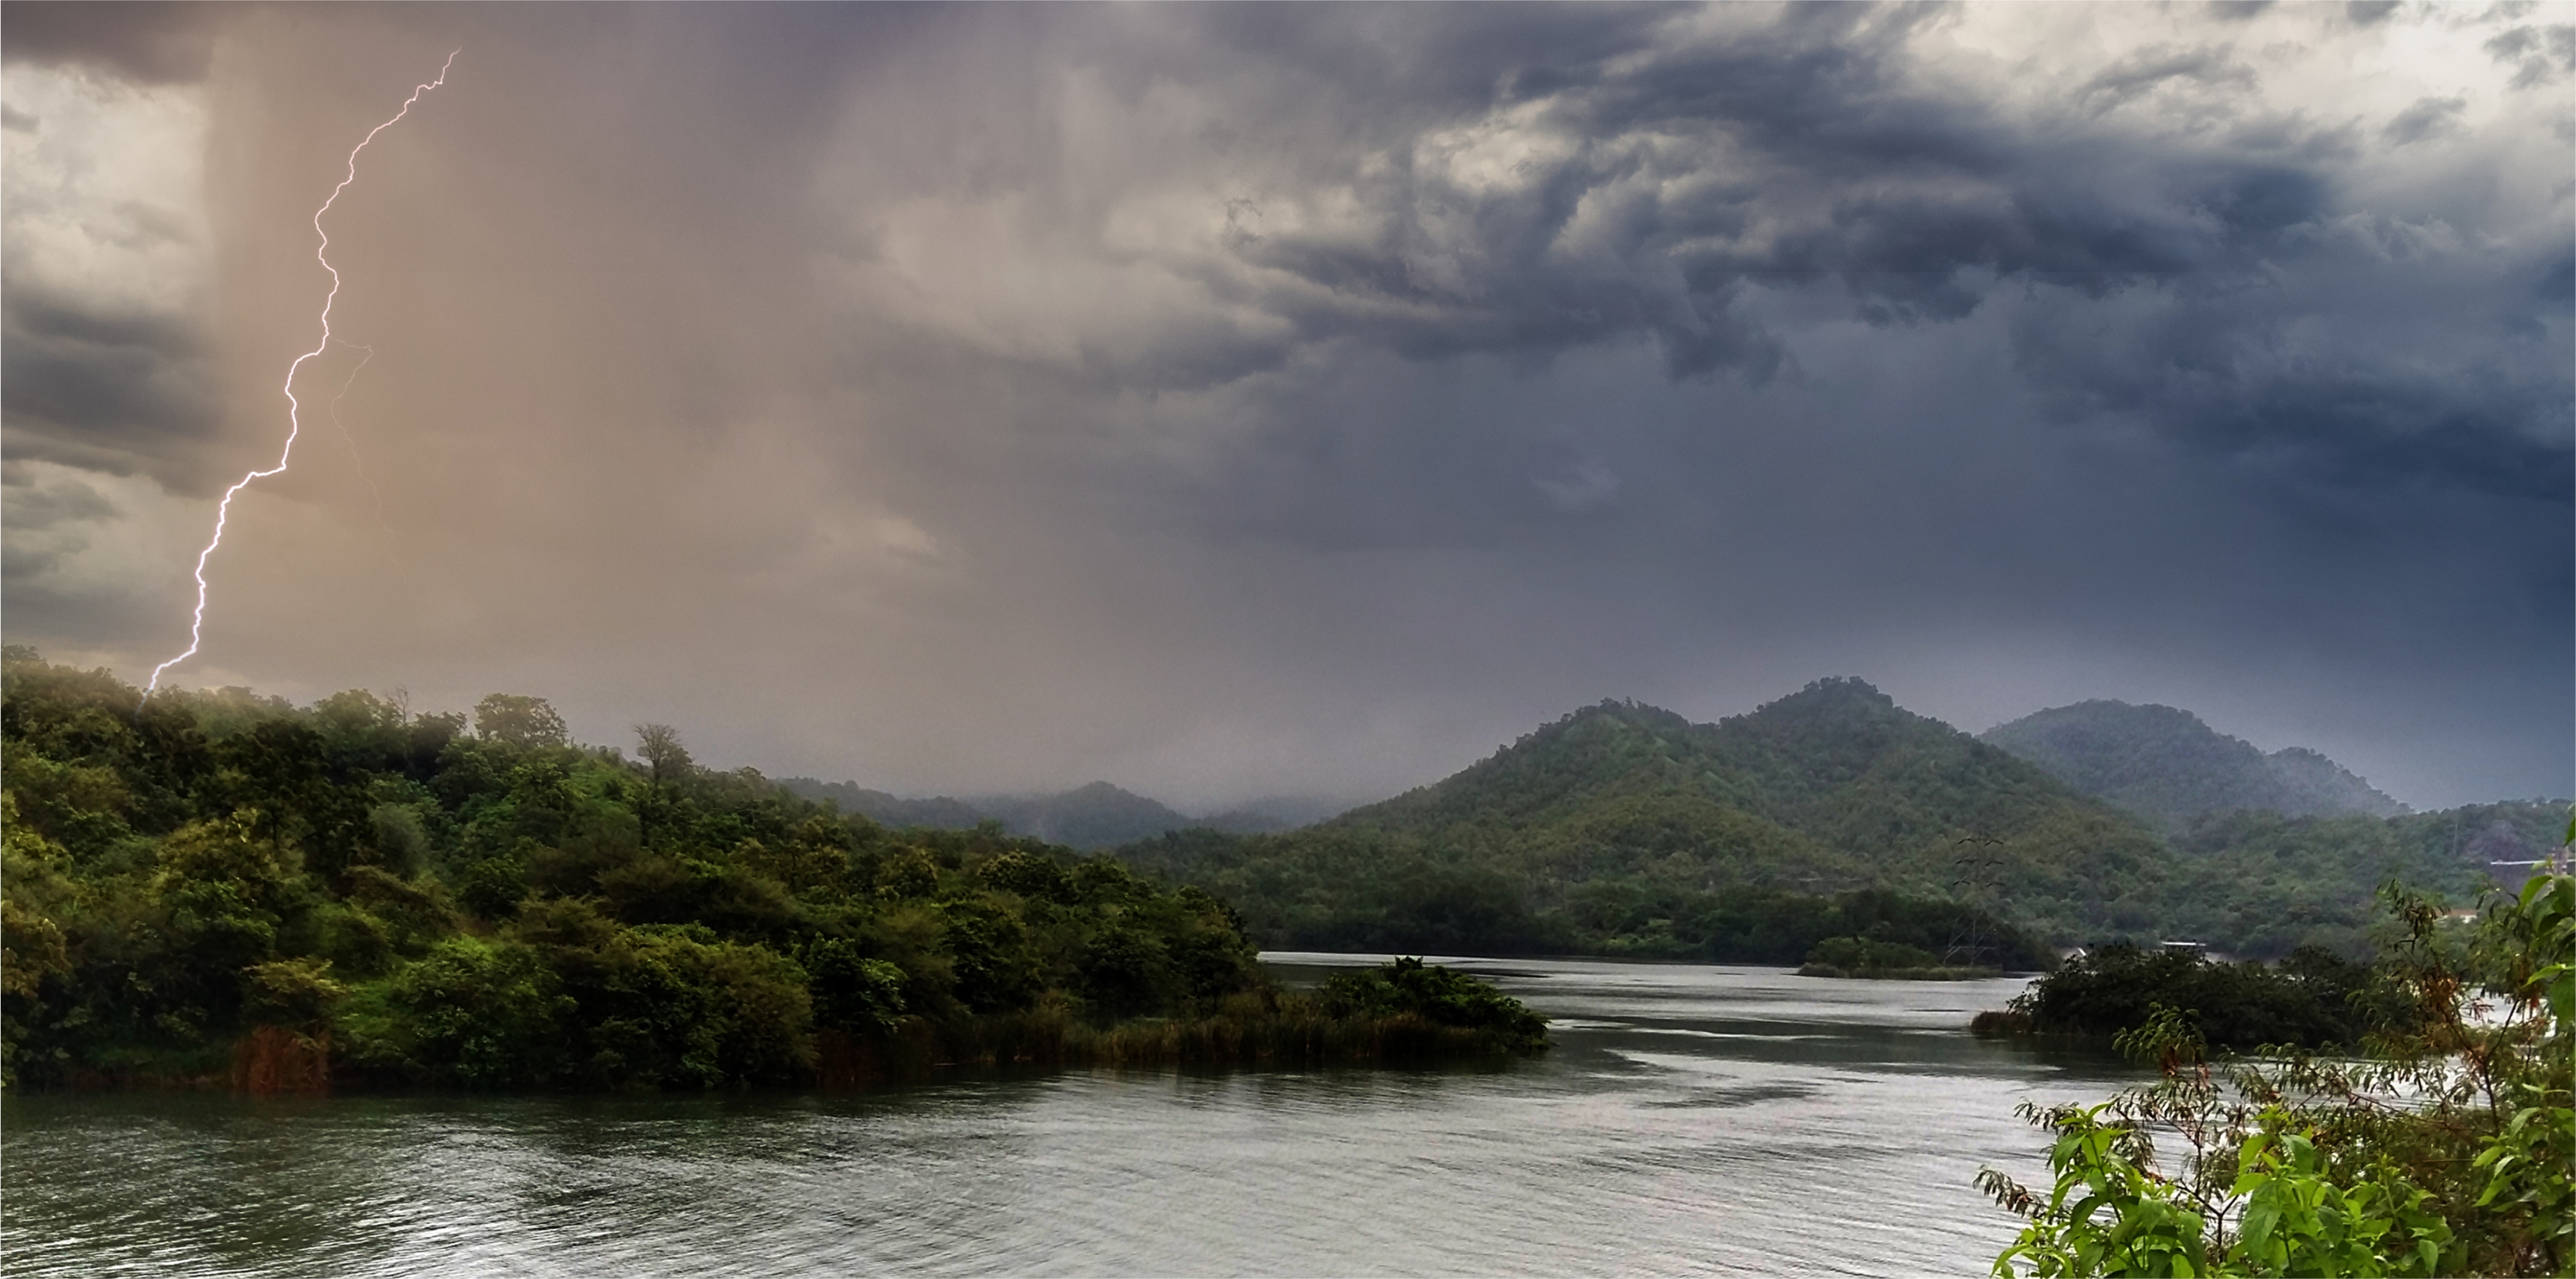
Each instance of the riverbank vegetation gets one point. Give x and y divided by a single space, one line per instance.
1867 959
2311 999
217 886
2438 1145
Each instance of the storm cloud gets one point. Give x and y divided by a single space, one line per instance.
1248 399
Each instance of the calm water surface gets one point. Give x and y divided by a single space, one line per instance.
1690 1120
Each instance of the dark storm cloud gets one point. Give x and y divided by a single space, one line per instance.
141 42
112 392
114 385
1800 156
35 511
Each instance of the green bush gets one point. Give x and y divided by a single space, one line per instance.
2445 1151
475 1013
1858 953
1440 995
2314 999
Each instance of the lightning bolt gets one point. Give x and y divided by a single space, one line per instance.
351 440
294 407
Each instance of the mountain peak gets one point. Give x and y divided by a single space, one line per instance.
1835 696
2166 764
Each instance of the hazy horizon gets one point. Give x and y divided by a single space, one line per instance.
1261 401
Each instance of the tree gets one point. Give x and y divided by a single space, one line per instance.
660 746
515 720
2446 1153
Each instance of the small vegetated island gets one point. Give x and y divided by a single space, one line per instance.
2312 999
205 888
1862 957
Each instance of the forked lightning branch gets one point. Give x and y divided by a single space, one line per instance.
294 407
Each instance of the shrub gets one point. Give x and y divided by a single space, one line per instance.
1440 995
1857 953
2446 1151
476 1013
2315 1002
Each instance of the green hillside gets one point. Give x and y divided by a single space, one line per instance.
1624 829
2265 883
1833 787
203 886
2168 766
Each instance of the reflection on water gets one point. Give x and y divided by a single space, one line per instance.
1690 1119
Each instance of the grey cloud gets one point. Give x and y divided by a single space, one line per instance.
1585 485
1680 234
2469 389
143 42
63 501
2429 118
2143 71
112 392
37 521
2539 55
1796 157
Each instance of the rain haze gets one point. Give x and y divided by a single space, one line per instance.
1245 401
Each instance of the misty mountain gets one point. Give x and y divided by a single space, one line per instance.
2168 766
939 813
1609 828
1832 786
1627 829
1095 816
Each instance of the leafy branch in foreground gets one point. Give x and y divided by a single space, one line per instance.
2444 1150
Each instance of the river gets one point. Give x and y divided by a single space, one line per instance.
1690 1120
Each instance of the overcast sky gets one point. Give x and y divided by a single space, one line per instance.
1244 401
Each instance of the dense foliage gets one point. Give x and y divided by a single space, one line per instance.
2314 998
2166 765
1092 817
2446 1150
1442 996
204 884
1859 953
1863 957
1328 890
1626 830
2264 884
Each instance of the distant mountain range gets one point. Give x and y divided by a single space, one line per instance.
1623 828
2167 766
1088 817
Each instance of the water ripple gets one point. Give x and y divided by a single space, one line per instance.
1690 1121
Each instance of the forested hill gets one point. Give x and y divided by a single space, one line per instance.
1833 781
1627 829
204 883
2168 766
1089 817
